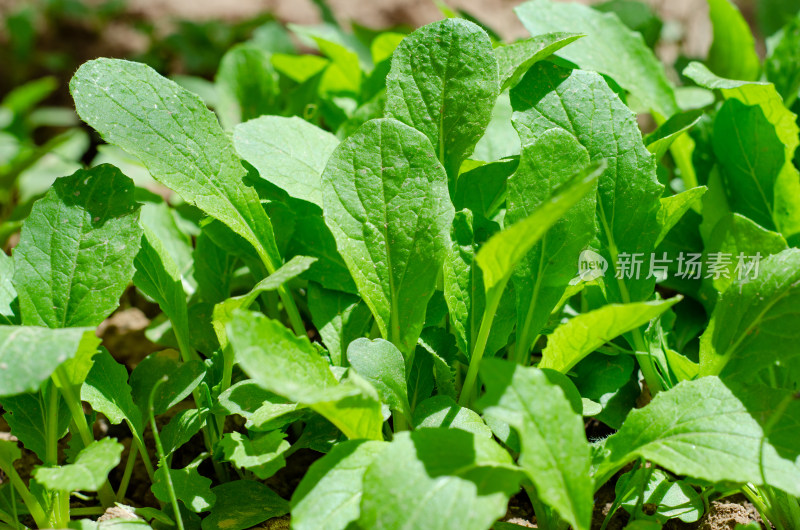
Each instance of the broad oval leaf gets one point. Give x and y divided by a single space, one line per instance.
30 354
707 430
191 488
177 138
76 250
438 479
733 53
554 453
609 47
293 368
242 504
756 321
381 363
329 496
387 204
628 200
288 152
444 82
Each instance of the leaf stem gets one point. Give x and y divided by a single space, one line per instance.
106 493
493 300
35 509
162 459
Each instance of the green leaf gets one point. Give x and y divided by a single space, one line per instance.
181 428
544 272
608 381
192 488
179 141
262 409
223 311
443 411
499 256
732 54
288 152
674 207
29 355
339 317
483 190
554 452
786 207
329 495
608 47
8 294
291 367
437 479
659 141
76 250
164 222
158 277
750 157
583 334
444 82
89 471
581 104
755 321
247 85
515 59
106 389
182 379
782 65
263 456
673 499
387 205
737 235
706 430
26 415
381 363
242 504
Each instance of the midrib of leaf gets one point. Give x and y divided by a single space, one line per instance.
751 171
524 336
206 179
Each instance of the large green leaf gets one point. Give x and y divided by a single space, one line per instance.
438 479
583 334
609 47
76 250
786 207
177 138
554 451
755 322
732 54
444 82
89 471
582 105
387 204
750 157
329 496
29 355
545 271
782 65
709 431
291 367
288 152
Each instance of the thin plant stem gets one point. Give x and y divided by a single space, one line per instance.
162 459
480 344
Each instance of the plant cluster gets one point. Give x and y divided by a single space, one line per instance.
432 259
